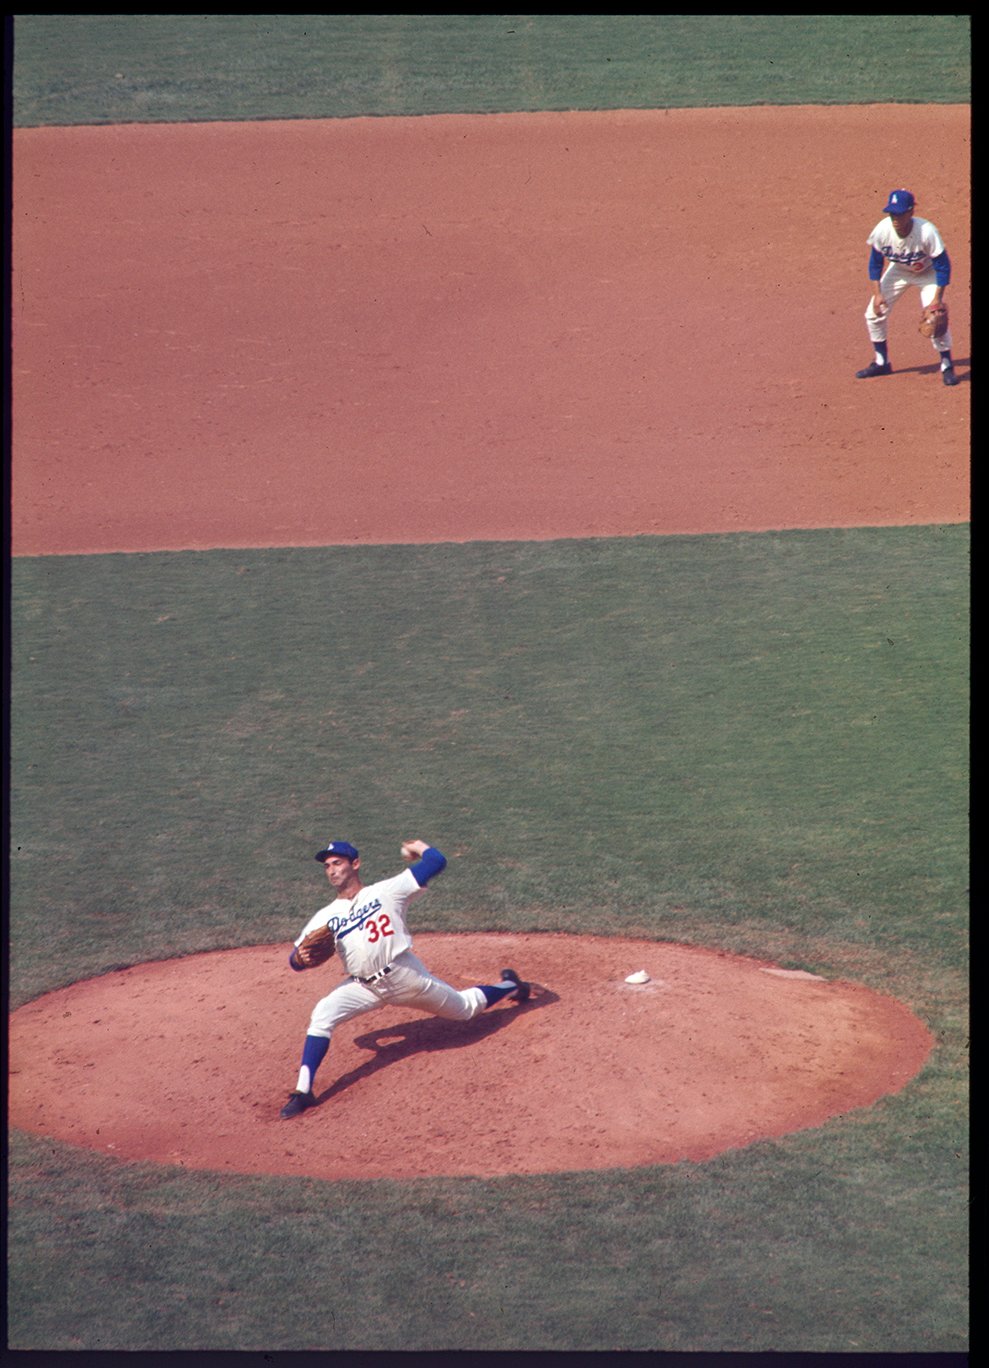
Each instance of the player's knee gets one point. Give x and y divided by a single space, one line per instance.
454 1011
476 1000
458 1006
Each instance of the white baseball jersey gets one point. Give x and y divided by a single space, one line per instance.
370 928
912 253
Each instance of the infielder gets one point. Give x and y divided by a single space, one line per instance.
365 924
907 251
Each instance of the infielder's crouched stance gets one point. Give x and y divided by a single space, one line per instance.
365 925
906 252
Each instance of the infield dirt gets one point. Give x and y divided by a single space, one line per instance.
476 327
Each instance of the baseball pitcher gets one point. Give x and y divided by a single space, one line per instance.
365 925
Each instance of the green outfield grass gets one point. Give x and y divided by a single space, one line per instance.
153 68
767 731
766 736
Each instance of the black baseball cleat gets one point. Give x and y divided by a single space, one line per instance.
874 368
522 995
948 376
297 1103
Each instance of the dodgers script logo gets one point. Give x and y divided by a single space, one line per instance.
913 261
355 918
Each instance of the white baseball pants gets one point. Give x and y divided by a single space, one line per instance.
895 282
409 984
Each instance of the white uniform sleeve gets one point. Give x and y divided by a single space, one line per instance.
931 239
318 919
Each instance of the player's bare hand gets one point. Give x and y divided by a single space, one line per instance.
411 850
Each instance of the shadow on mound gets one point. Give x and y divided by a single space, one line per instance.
392 1044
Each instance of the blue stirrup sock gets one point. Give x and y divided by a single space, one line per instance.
313 1054
494 995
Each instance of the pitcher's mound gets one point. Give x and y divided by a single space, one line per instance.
189 1061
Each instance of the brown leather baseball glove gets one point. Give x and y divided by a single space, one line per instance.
934 321
316 948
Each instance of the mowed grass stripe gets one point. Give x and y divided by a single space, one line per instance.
147 68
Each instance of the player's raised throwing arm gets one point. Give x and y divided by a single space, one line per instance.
429 861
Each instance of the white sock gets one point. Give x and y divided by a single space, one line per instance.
304 1082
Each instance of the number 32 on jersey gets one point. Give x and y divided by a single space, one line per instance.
377 927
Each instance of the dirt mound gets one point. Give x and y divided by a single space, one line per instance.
188 1061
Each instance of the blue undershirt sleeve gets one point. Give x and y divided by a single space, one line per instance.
429 864
942 268
876 263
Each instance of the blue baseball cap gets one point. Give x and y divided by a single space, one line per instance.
900 202
343 848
